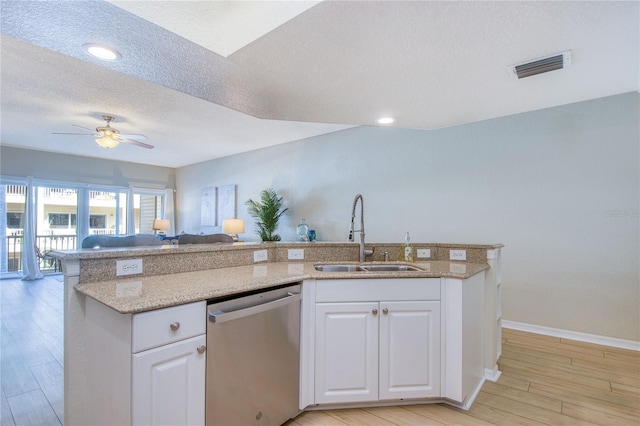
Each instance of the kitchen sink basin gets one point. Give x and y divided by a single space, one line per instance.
339 268
391 267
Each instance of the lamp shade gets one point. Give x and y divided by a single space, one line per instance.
233 226
160 224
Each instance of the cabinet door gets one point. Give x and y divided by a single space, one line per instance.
169 384
346 364
409 350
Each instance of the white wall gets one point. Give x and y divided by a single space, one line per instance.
559 187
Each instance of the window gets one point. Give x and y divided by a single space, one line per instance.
57 214
107 211
61 220
15 220
148 206
12 220
97 221
66 212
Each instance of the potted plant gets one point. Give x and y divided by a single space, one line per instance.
267 212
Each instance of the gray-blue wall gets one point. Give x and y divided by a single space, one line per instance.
559 187
69 168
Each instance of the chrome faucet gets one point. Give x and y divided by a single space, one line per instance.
363 252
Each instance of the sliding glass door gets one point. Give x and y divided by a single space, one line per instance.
56 221
107 212
12 203
66 213
56 216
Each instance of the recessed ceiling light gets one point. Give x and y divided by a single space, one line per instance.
102 52
386 120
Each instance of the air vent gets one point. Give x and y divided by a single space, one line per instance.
542 65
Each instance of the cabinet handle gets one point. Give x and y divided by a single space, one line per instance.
175 326
385 311
201 349
374 312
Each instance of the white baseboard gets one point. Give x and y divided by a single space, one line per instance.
573 335
469 401
492 374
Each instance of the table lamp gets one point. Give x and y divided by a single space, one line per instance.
160 225
233 227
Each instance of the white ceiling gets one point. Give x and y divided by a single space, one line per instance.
307 70
220 26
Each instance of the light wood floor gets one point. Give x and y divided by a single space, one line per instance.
545 381
31 352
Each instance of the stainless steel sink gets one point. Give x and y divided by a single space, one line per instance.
339 268
391 267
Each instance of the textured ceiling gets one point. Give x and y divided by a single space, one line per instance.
184 129
319 70
220 26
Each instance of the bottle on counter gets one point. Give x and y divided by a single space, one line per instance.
302 232
407 249
312 235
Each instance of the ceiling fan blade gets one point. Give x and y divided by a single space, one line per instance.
86 128
137 143
74 134
134 137
108 132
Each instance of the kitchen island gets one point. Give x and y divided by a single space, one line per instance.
182 275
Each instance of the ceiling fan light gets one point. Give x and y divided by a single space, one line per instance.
107 142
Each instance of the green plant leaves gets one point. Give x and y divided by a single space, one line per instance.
267 213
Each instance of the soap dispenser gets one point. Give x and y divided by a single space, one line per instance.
407 249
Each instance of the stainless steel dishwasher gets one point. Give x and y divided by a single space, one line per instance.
253 359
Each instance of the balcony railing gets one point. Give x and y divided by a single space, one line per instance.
45 243
16 190
72 193
61 193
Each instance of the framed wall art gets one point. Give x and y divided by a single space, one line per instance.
217 204
208 206
226 203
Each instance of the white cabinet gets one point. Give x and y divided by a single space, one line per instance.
169 383
493 315
147 368
346 352
409 349
465 343
169 366
377 350
163 326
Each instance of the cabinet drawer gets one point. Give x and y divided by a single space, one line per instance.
156 328
365 290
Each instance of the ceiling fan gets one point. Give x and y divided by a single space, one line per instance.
109 137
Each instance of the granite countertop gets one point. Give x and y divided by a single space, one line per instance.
135 251
120 252
132 295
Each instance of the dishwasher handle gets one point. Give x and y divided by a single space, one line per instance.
222 316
